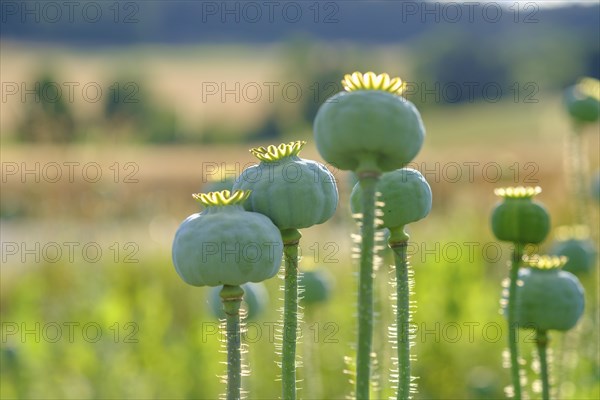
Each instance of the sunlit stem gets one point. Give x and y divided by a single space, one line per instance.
399 242
541 341
517 255
367 178
232 298
291 239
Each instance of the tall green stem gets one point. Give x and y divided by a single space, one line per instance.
541 341
291 239
367 181
402 318
232 299
512 328
380 336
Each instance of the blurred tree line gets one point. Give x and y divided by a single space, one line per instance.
444 65
91 23
126 112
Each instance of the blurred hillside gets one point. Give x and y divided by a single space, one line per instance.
89 23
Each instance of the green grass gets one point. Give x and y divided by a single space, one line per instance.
172 359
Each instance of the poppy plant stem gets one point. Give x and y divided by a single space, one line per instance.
512 326
541 341
402 319
368 183
232 299
291 239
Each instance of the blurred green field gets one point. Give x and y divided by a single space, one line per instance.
157 338
122 325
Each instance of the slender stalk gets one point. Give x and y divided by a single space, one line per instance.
380 336
541 341
512 328
402 318
291 239
367 181
232 299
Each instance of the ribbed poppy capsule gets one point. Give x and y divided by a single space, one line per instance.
369 126
225 244
316 285
294 193
548 297
574 243
583 100
406 198
518 218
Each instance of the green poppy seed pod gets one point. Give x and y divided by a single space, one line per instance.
255 300
293 192
575 244
405 194
518 218
369 127
547 297
225 244
583 100
581 255
317 285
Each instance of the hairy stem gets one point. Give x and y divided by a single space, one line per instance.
402 319
367 181
291 239
541 341
512 328
232 299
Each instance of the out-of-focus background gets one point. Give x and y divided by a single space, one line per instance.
113 113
